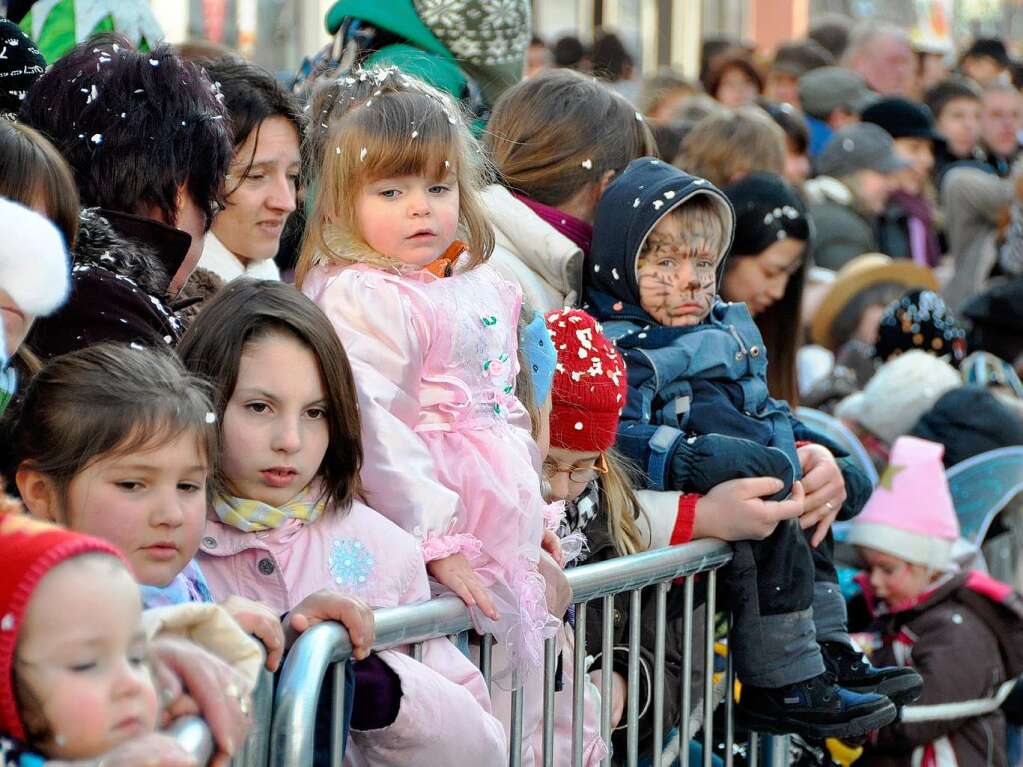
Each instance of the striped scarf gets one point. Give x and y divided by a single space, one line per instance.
255 516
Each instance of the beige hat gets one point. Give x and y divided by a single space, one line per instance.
900 392
856 276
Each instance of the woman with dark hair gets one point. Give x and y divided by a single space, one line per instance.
262 182
733 79
556 141
766 269
146 140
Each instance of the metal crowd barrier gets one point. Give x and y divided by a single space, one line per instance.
324 648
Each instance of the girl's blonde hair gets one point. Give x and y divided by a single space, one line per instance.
405 128
622 506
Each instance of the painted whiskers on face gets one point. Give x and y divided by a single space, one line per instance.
677 279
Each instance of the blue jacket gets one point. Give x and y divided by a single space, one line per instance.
704 379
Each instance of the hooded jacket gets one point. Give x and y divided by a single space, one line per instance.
121 271
703 379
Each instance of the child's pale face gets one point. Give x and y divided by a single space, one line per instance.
676 274
894 580
150 504
16 323
569 472
411 219
82 656
275 430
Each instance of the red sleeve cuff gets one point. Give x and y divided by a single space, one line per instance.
683 530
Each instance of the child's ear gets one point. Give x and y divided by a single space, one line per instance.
39 494
603 182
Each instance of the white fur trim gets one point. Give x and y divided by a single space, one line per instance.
33 260
918 548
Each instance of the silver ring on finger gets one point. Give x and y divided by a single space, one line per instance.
830 506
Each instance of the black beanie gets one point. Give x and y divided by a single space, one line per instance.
968 421
767 209
21 64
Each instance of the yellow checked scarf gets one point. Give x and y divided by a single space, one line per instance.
255 516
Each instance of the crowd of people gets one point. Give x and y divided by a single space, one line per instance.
452 311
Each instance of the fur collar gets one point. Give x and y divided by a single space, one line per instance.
99 244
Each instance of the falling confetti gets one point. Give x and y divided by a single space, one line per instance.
588 164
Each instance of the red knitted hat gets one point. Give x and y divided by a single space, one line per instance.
28 549
590 386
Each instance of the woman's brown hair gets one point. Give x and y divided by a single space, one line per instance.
405 128
33 173
733 143
109 400
248 310
551 135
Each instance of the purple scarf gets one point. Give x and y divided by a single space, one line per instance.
923 240
575 229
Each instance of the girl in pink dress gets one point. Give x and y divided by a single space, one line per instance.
430 330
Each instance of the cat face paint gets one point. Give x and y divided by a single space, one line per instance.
676 267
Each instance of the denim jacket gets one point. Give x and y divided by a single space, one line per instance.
708 378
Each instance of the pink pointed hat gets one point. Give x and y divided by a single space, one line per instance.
910 514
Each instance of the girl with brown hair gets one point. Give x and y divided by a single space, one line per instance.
556 141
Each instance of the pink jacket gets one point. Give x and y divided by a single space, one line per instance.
444 699
435 363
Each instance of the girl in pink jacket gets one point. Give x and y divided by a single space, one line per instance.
431 332
288 517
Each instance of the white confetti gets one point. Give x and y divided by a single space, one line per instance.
658 204
93 95
97 138
362 154
596 268
415 133
447 164
614 273
337 150
211 418
154 63
639 117
588 164
578 426
669 195
635 203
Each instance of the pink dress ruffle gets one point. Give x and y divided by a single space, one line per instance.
435 364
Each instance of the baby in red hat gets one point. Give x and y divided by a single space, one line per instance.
74 681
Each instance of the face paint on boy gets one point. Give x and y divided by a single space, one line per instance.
676 273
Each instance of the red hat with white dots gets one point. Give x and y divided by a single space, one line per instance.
590 385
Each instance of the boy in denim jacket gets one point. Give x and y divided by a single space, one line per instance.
699 414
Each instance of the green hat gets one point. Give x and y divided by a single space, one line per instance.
489 44
825 89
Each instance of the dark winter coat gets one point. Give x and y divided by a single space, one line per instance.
121 272
968 421
959 658
600 548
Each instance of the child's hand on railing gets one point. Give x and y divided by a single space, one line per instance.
455 572
557 590
261 622
351 612
552 545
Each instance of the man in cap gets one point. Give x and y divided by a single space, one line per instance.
857 169
791 61
831 97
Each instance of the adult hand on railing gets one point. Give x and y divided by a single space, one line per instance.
261 622
351 612
825 490
455 572
736 510
194 681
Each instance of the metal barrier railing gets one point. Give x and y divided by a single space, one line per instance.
324 648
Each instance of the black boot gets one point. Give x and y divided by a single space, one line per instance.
816 708
853 671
